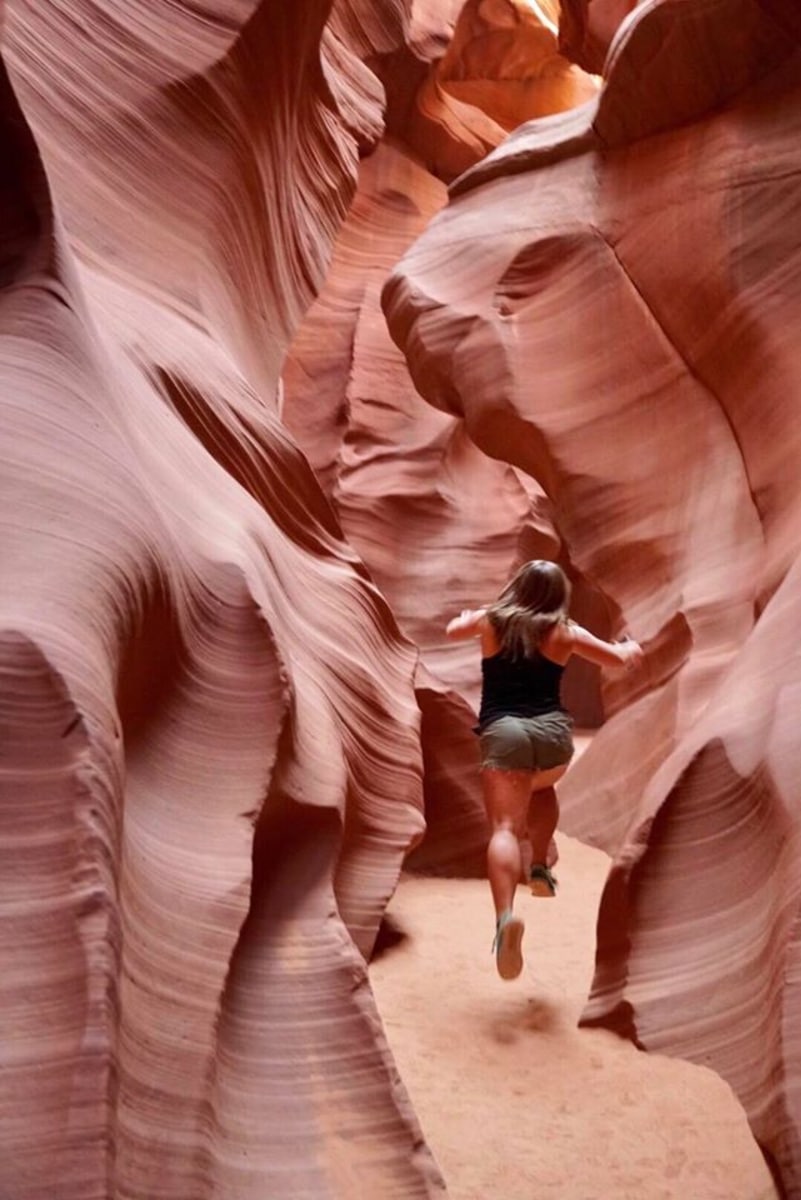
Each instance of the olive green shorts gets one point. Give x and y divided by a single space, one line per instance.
527 743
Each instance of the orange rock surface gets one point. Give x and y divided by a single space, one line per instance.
210 726
208 788
626 336
232 531
500 67
408 486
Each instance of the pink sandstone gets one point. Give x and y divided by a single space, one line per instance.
207 789
609 302
232 532
408 486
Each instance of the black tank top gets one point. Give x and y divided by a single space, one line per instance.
523 687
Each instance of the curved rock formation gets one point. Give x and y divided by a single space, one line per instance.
216 734
462 84
608 302
209 738
415 497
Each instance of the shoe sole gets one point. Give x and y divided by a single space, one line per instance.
509 958
540 888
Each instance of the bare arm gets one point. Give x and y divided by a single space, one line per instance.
626 654
469 623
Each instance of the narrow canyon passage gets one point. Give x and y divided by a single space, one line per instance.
514 1099
318 319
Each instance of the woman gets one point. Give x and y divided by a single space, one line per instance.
525 733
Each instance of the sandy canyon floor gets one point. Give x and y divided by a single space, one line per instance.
515 1100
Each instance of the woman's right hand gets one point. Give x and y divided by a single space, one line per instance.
631 653
467 624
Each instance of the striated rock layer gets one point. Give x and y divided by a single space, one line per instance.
401 477
501 67
609 302
209 742
434 519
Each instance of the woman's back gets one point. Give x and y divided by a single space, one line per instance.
555 644
518 687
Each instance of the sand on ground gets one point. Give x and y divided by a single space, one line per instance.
518 1103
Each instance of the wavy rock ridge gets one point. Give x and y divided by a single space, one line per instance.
215 746
208 786
416 498
623 337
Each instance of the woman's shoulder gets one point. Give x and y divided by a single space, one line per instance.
469 623
490 642
557 642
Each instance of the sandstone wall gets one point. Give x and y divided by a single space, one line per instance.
233 530
211 768
625 336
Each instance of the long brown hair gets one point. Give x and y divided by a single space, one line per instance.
533 601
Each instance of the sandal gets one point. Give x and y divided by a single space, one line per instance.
542 881
506 945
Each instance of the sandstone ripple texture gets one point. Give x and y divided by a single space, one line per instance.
210 766
609 303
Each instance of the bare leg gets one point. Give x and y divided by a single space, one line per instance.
527 858
541 820
506 795
542 816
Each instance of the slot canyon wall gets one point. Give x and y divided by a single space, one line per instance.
609 304
240 501
208 790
